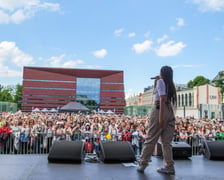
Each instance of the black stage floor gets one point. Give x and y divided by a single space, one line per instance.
28 167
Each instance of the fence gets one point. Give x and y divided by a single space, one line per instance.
22 143
8 107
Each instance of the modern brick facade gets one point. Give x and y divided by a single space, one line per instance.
55 87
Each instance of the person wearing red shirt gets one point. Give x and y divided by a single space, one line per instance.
126 135
4 136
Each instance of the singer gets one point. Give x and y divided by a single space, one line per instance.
162 122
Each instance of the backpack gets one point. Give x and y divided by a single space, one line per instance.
24 137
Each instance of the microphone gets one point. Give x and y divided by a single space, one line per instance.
155 77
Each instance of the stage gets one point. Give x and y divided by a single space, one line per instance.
36 167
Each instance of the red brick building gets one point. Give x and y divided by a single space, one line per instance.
55 87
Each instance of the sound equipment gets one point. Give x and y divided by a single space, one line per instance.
181 150
214 150
66 152
116 151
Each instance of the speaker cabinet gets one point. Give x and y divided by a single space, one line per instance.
117 151
181 150
66 152
214 150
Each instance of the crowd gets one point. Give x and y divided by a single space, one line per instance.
22 133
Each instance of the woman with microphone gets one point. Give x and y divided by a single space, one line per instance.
162 122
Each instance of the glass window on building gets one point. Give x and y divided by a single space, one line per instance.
190 100
182 98
179 100
186 100
88 92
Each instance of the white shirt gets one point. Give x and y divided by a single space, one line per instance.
160 90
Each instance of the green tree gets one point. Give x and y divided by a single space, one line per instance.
5 95
198 81
220 83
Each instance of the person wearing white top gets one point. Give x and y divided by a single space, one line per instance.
162 122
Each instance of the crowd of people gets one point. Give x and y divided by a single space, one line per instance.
22 133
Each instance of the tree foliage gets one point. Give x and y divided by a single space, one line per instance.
220 83
198 81
11 94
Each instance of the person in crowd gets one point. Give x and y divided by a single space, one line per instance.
31 143
4 138
96 137
104 132
194 140
183 135
219 134
59 132
113 131
24 137
142 136
135 139
49 134
126 135
162 122
210 133
119 132
38 134
68 132
176 135
77 132
87 132
14 138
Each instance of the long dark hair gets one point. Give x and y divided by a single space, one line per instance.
167 75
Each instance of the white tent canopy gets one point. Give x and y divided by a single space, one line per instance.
36 110
101 111
53 110
110 112
44 110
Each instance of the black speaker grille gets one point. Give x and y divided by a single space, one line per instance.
66 152
120 151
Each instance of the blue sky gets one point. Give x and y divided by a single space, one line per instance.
136 36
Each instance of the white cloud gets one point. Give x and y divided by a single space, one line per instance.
172 28
59 61
4 18
118 32
147 34
209 5
130 35
55 61
17 11
159 40
142 47
11 53
180 21
72 64
170 49
100 53
6 72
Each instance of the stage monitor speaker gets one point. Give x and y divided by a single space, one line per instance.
214 150
116 151
66 152
181 150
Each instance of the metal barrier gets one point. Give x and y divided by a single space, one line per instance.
41 144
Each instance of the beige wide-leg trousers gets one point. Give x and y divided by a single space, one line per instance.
153 134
